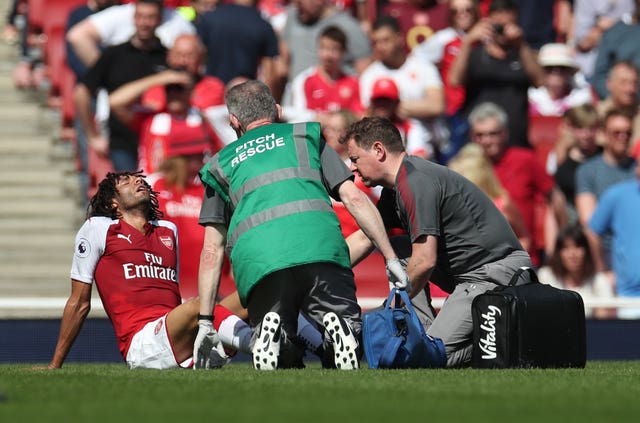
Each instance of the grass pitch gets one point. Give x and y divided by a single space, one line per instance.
603 392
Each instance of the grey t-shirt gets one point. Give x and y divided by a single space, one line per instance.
429 199
595 175
303 39
333 172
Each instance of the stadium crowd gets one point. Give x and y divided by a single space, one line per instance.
535 101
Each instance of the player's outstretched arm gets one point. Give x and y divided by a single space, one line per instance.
75 312
211 259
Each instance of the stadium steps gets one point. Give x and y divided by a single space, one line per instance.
40 210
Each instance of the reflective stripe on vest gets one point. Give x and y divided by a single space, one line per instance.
286 209
303 170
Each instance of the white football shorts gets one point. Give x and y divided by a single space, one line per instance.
150 348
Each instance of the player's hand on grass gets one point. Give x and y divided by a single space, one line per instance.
397 274
208 352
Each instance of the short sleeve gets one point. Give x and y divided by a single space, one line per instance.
271 47
89 247
584 181
334 171
108 23
214 208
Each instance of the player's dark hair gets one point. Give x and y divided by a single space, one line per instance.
371 129
576 234
334 33
388 22
101 204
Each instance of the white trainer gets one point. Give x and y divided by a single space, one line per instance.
267 346
345 345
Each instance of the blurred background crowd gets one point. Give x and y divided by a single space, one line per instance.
535 101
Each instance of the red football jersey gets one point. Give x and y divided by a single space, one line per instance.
310 90
135 273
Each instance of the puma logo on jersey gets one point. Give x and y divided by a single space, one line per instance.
128 237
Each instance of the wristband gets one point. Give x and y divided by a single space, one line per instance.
208 317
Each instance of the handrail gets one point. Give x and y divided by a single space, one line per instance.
58 303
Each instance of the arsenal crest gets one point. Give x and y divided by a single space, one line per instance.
167 241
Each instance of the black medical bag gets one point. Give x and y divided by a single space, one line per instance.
530 325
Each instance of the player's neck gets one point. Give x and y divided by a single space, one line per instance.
135 218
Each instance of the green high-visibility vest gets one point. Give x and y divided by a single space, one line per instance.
281 212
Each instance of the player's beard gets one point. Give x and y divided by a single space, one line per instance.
134 202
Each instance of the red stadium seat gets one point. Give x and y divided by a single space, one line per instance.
36 14
55 58
543 135
68 82
57 13
67 114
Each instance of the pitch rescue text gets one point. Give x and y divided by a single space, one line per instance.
256 146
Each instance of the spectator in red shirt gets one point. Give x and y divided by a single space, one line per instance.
324 88
521 174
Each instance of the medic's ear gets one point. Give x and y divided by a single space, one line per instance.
379 149
233 121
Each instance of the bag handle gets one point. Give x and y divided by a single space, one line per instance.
519 272
395 292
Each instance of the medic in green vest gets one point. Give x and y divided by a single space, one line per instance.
267 201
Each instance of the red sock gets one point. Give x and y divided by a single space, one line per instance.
219 314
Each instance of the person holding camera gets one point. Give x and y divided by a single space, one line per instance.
495 64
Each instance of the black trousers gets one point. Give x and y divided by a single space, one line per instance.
313 289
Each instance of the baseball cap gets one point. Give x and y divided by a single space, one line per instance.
556 54
185 145
385 88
